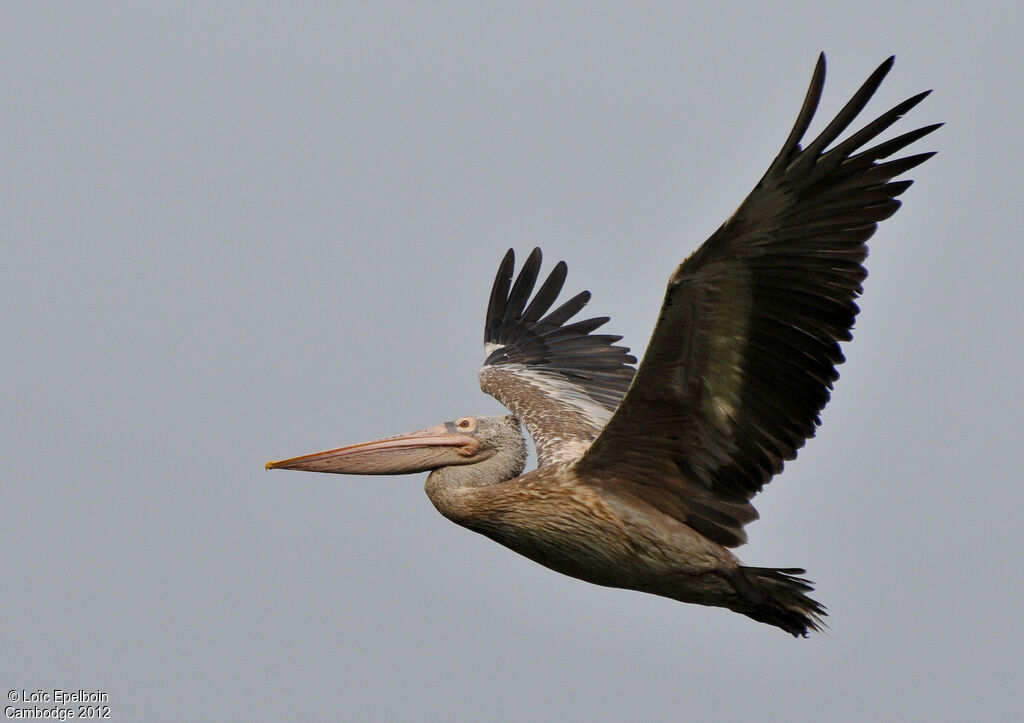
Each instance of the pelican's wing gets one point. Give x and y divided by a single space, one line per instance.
562 380
743 356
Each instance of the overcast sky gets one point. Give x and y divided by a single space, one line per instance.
235 232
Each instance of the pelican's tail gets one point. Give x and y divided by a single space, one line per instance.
777 596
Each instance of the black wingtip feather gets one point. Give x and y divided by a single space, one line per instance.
547 294
803 119
523 286
499 294
566 311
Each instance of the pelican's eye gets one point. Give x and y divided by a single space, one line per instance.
465 423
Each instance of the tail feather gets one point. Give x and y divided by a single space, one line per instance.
776 596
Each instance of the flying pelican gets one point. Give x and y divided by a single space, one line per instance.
645 475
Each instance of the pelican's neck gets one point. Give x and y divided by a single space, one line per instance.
451 489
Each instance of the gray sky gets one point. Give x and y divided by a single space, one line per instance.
236 232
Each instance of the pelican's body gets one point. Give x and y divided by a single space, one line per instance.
548 516
646 474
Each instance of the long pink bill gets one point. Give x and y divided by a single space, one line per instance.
402 454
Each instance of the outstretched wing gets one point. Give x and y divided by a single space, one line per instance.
561 379
744 354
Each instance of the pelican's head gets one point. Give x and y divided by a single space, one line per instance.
467 440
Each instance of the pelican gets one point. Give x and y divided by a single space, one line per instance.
645 474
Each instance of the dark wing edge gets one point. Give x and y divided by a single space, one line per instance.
559 377
743 357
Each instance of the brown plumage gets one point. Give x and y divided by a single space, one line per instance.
645 476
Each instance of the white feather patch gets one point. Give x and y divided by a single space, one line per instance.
562 419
